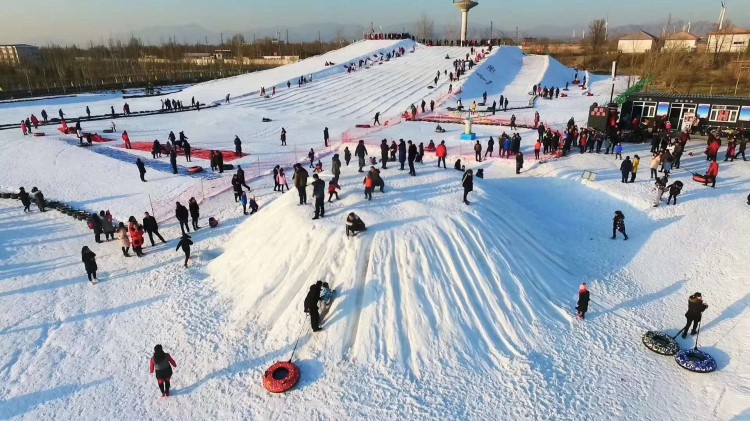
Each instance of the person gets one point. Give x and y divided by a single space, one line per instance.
583 301
332 187
185 242
369 184
636 162
136 236
336 167
468 184
347 155
173 160
126 139
275 176
661 187
241 177
194 212
505 108
300 183
44 116
361 152
625 168
618 150
283 136
712 173
311 157
325 137
89 263
152 228
695 310
181 213
354 224
226 100
441 152
237 146
162 363
61 114
220 161
23 195
319 188
519 162
674 191
655 161
384 153
253 205
186 148
411 157
311 305
141 168
618 224
728 156
122 232
107 227
96 225
402 153
478 151
88 112
237 188
281 180
23 128
377 119
741 149
39 199
243 202
490 147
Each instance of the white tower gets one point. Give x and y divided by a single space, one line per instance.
464 6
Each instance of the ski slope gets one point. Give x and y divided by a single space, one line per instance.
444 311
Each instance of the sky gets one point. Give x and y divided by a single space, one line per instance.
76 21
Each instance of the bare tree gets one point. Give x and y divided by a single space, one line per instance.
340 36
424 27
597 34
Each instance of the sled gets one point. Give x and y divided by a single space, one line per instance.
213 222
38 134
266 120
363 126
700 178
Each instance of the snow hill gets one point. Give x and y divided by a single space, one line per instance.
444 311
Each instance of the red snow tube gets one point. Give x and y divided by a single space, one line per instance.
195 169
39 134
281 377
699 178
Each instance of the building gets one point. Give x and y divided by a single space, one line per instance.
681 41
728 40
18 53
707 111
636 43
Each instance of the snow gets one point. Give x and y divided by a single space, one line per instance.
443 310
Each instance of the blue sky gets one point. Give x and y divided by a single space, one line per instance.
99 19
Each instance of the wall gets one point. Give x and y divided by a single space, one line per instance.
634 46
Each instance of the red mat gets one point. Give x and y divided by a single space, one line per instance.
229 156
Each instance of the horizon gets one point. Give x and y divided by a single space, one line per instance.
193 22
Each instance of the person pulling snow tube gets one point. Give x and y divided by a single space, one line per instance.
660 342
696 361
281 377
195 169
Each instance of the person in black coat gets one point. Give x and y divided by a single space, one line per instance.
23 195
194 212
361 153
141 168
490 147
185 243
97 227
626 168
220 161
412 153
186 148
311 305
519 162
241 177
276 185
402 153
384 153
173 160
237 146
468 184
325 136
696 307
618 224
89 263
152 228
181 213
583 301
319 191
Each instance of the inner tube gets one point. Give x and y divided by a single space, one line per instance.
227 167
5 195
363 126
281 377
660 342
195 169
699 178
14 195
38 134
696 361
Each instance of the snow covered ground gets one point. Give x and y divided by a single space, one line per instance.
445 311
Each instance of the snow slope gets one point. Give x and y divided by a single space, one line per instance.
444 310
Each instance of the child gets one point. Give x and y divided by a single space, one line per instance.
332 187
253 205
185 243
281 180
583 301
347 155
243 201
618 151
162 363
618 224
369 186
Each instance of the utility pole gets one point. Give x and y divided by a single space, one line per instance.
491 30
287 37
516 35
222 38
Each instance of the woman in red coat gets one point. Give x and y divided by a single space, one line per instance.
712 150
713 172
126 139
136 238
162 363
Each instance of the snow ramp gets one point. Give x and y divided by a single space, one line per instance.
492 75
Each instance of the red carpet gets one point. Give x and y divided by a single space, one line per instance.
229 156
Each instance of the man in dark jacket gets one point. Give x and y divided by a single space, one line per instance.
97 227
23 195
311 305
625 168
300 183
694 313
490 147
141 168
319 191
468 184
186 148
241 177
151 228
618 224
185 243
412 153
325 137
519 162
181 213
173 160
384 153
361 153
237 146
402 153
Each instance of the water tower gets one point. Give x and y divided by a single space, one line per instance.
464 6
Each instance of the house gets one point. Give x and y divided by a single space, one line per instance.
18 53
728 40
637 42
681 41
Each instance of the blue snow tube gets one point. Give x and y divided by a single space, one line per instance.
660 342
695 360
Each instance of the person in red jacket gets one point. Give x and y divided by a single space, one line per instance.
23 128
35 121
712 150
441 152
162 363
136 237
713 172
126 139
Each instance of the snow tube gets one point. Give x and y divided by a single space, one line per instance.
213 222
696 361
281 377
266 120
227 167
108 131
195 169
699 178
38 134
14 195
660 342
363 126
5 195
